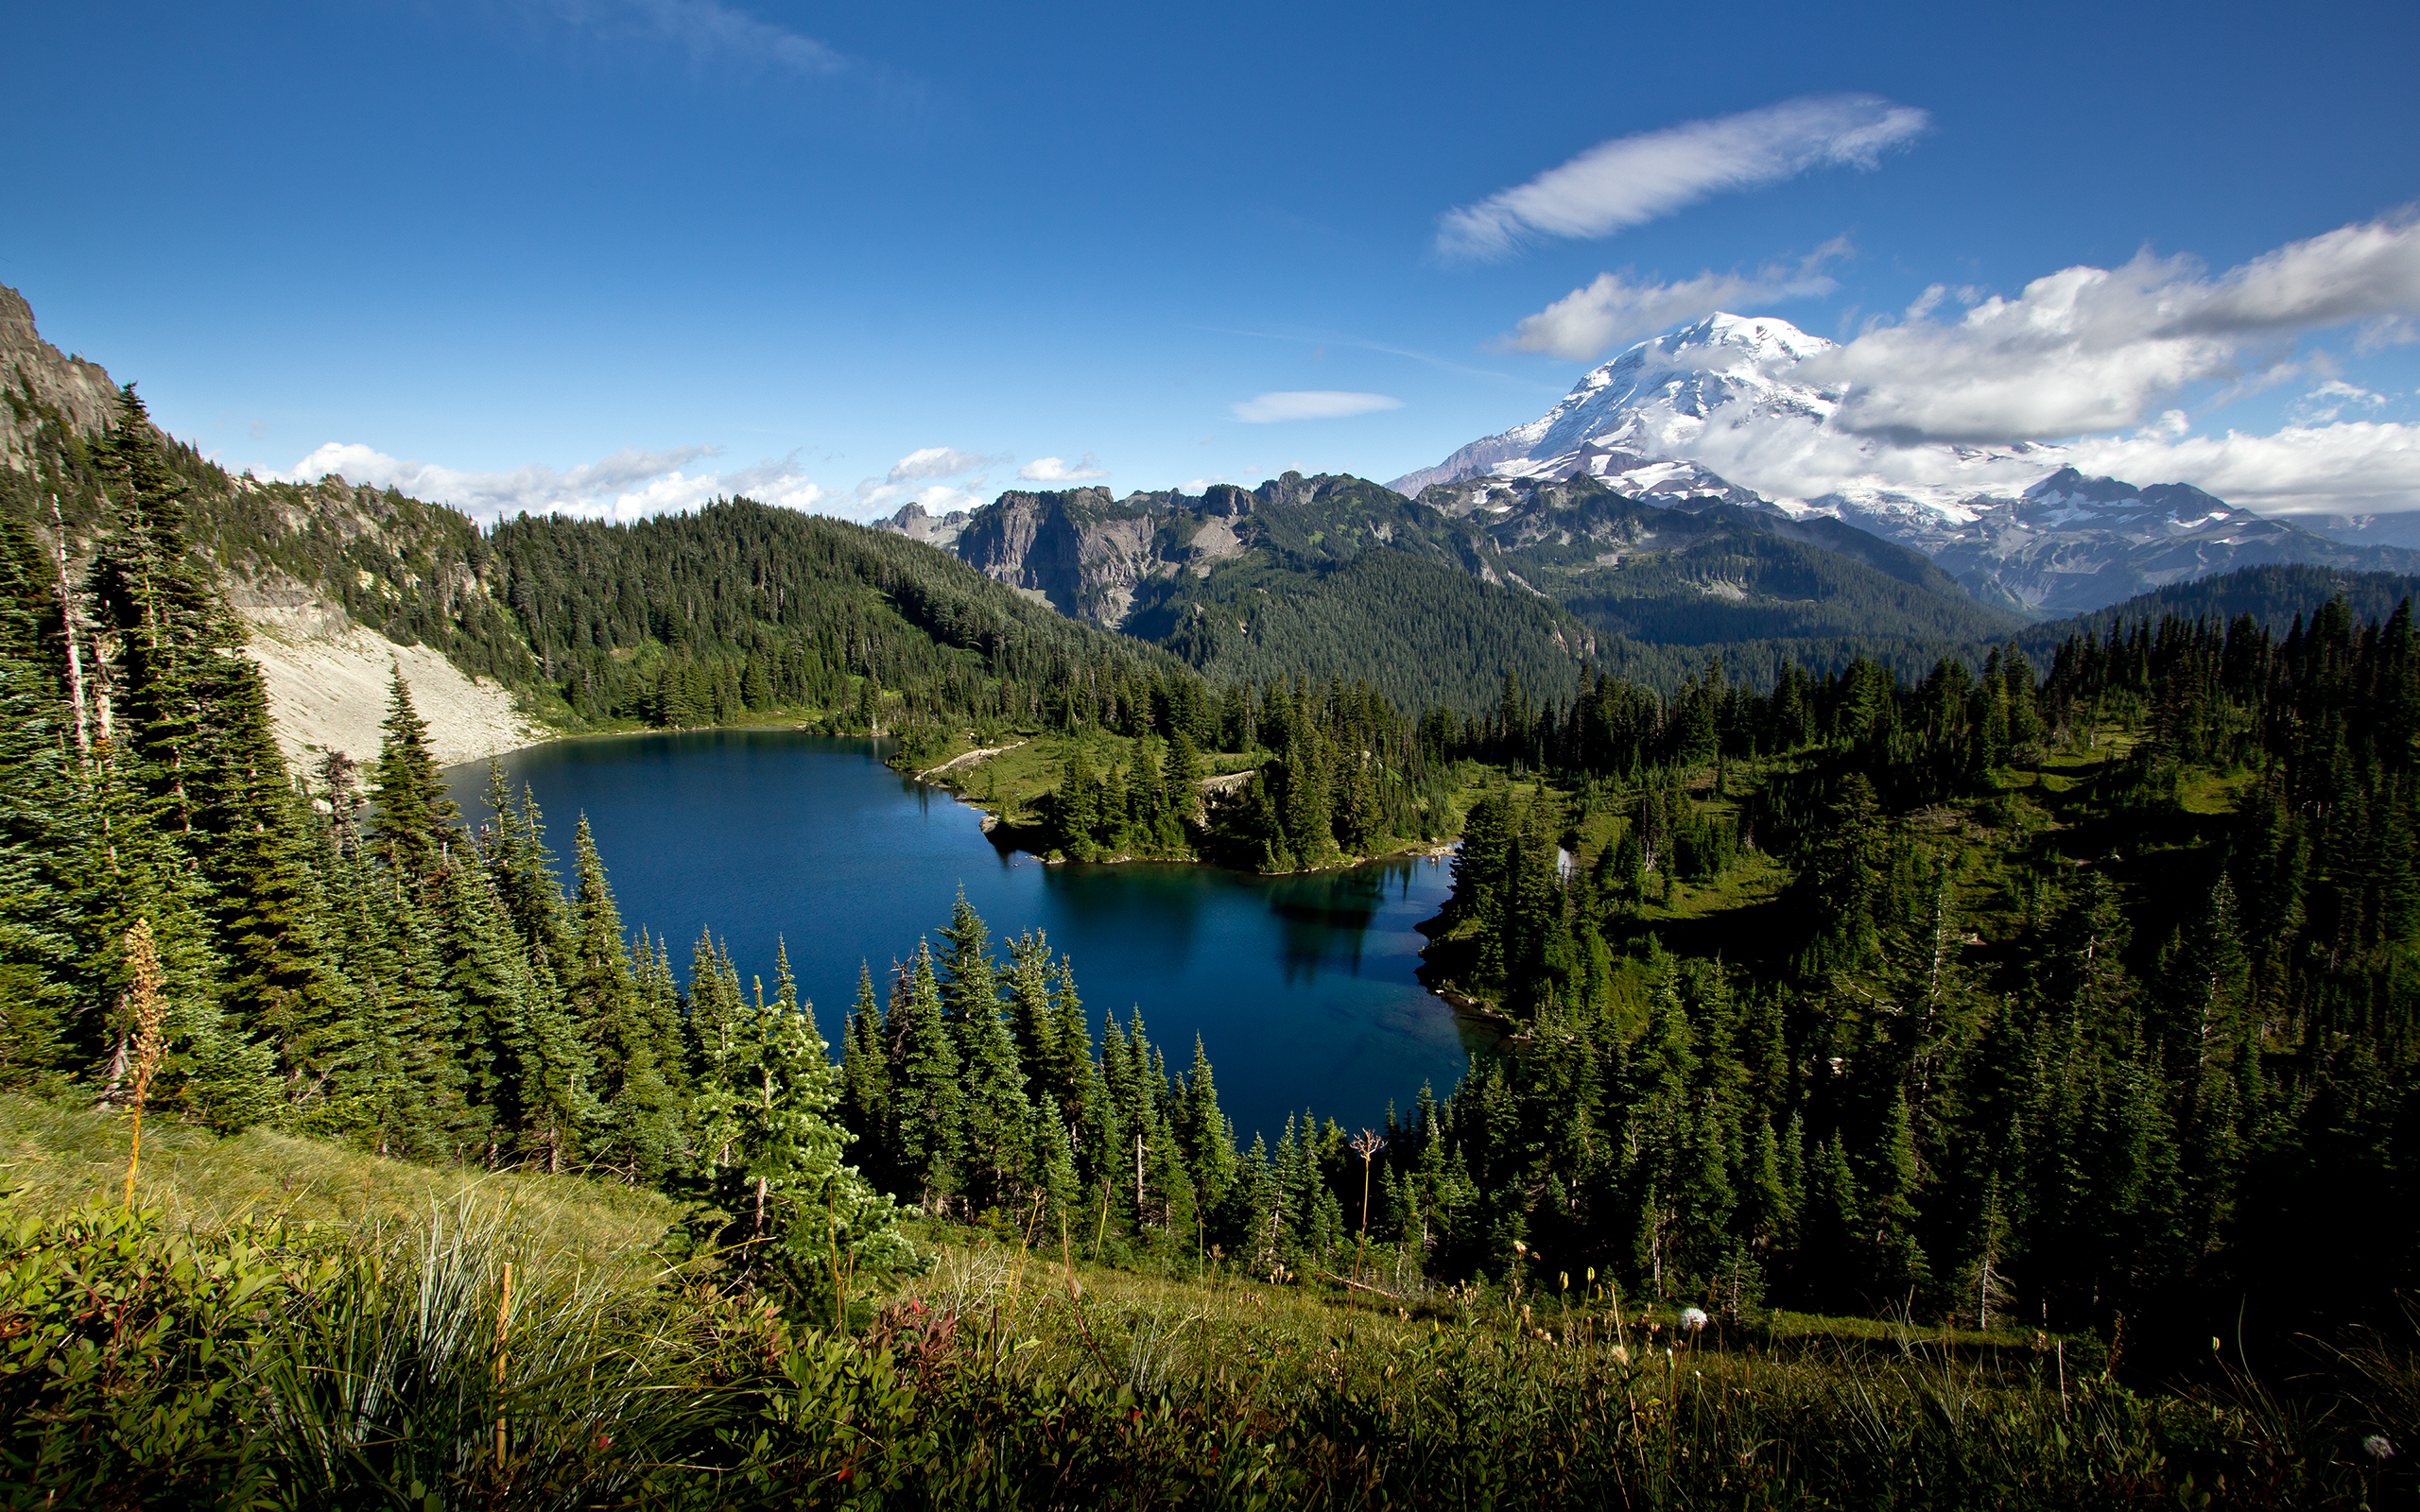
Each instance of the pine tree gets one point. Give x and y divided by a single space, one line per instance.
865 1084
1034 1021
416 817
928 1097
487 979
635 1079
1202 1135
996 1138
786 1183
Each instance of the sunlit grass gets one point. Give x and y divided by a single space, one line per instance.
55 1158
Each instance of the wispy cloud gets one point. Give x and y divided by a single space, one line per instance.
1309 404
2090 350
1633 180
627 485
925 465
1059 469
2331 400
939 462
712 34
1618 308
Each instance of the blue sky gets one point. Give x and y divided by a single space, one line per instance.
622 253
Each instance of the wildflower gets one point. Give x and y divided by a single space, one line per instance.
1622 1354
2377 1447
1692 1318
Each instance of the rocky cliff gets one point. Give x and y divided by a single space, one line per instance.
39 374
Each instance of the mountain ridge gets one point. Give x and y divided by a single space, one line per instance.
2019 525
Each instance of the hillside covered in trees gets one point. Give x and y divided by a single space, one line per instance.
1855 993
2089 1002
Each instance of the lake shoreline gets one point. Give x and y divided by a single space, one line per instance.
1008 834
790 840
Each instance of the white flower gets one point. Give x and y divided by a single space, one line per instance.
2377 1447
1692 1318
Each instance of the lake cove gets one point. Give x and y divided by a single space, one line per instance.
1301 988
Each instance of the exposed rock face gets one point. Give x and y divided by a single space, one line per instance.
916 525
328 683
1088 555
37 372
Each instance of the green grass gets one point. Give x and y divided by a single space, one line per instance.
55 1160
391 1363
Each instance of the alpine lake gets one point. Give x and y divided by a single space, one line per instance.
1301 988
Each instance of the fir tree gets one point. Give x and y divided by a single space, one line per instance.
928 1096
416 817
998 1118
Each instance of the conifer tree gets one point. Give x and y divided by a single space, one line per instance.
415 814
487 979
928 1096
637 1081
42 817
786 1182
865 1083
1033 1021
1203 1136
996 1136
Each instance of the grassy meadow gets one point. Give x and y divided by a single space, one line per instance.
287 1323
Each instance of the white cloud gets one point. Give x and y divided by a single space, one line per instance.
2089 350
2352 467
877 497
628 484
1586 323
1633 180
1309 404
2331 400
711 33
938 462
1058 470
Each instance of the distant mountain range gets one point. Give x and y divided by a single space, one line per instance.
1342 577
1558 546
2016 526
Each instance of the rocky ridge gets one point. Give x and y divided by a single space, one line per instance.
2016 525
36 374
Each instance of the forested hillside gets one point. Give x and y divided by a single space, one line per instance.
1338 576
2274 596
2080 1004
686 619
2089 1004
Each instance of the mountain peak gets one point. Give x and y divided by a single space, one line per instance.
1764 335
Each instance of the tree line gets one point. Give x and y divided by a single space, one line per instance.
2115 1053
341 955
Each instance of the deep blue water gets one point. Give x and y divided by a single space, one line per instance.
1301 988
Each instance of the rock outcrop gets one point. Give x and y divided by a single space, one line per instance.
327 671
38 373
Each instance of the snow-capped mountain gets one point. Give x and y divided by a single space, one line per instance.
1737 409
1738 404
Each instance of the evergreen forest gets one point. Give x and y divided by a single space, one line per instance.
1992 1085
